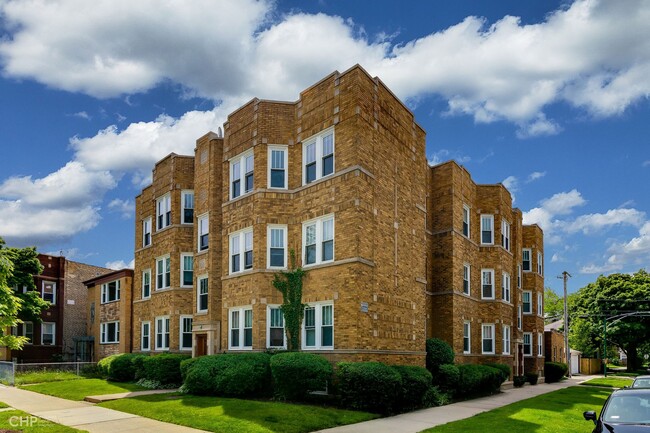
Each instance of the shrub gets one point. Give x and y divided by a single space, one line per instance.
120 368
438 353
532 378
186 365
92 372
478 379
229 374
519 381
368 386
554 371
435 397
164 368
447 377
416 381
503 368
296 374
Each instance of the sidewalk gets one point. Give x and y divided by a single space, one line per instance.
83 415
417 421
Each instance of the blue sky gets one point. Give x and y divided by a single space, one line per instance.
548 97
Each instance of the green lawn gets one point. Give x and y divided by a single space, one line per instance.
236 416
612 382
559 411
44 376
10 420
78 389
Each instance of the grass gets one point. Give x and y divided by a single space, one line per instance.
3 405
559 411
611 382
236 416
80 388
10 420
44 376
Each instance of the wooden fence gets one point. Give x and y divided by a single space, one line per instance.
590 365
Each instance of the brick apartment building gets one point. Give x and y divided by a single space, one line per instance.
339 177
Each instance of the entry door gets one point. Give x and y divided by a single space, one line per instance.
201 344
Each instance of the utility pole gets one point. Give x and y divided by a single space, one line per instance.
565 276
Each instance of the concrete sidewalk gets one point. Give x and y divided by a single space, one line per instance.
82 415
417 421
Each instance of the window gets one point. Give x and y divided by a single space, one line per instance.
204 233
163 270
505 286
185 337
487 229
467 343
241 241
505 235
109 332
145 336
318 240
146 232
146 284
506 340
540 304
318 156
275 327
163 211
48 333
487 277
241 328
527 301
111 292
488 339
277 241
466 277
241 173
540 344
528 344
28 332
318 327
525 260
162 333
539 264
202 295
519 324
188 207
466 221
278 167
187 270
49 292
519 276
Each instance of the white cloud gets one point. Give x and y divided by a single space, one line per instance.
538 127
512 184
535 176
626 256
120 264
82 115
546 214
124 207
588 224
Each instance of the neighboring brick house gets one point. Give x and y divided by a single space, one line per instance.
554 342
109 313
341 178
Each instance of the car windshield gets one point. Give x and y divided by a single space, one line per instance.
641 383
628 409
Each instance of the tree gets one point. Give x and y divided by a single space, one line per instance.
289 283
623 300
553 306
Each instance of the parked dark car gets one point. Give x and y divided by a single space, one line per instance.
641 382
625 411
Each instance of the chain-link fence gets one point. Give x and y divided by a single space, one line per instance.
77 368
7 373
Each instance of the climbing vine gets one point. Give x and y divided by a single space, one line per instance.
289 283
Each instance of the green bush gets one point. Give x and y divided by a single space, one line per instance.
554 371
416 381
120 368
435 397
447 377
164 368
186 365
518 381
368 386
296 374
532 378
229 374
478 379
438 353
503 368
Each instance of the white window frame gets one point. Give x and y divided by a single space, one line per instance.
103 332
241 328
540 305
519 276
146 230
467 337
28 334
183 270
530 259
318 223
530 343
184 205
317 141
483 273
484 338
182 330
240 159
484 218
505 287
540 345
466 221
203 229
540 265
199 287
268 328
285 162
239 237
505 234
523 302
105 292
53 284
506 339
520 319
164 210
467 279
53 333
148 273
164 323
269 230
166 281
146 348
318 326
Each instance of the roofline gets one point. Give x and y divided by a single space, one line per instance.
108 276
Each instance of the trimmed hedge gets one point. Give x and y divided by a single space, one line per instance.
186 365
416 381
478 379
122 367
438 353
554 371
229 374
296 374
532 378
505 369
369 386
164 368
519 381
447 378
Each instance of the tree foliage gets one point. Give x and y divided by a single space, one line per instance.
621 300
289 283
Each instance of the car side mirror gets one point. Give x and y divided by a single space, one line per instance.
590 415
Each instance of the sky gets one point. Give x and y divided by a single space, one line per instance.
550 98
